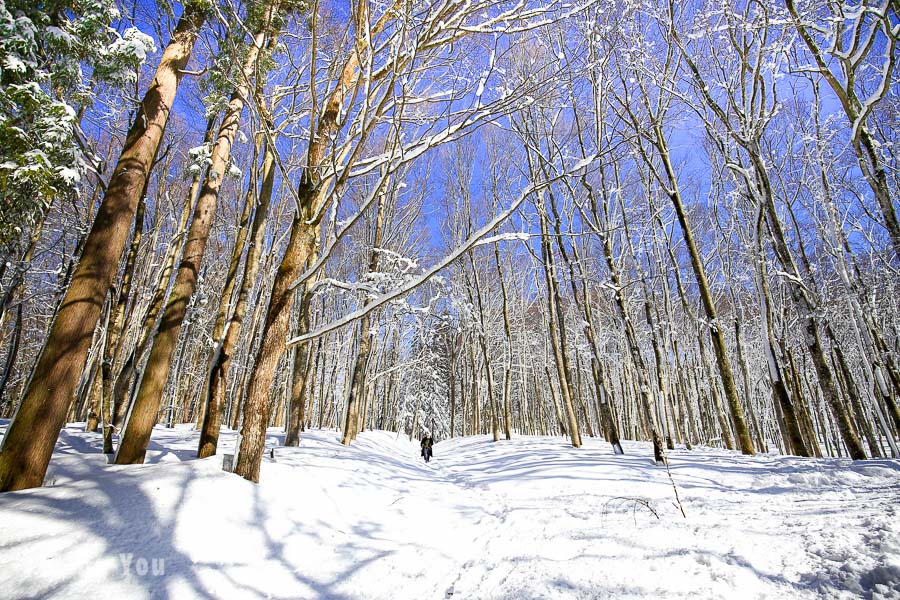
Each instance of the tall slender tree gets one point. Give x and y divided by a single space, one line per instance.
29 441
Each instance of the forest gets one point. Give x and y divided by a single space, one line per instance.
642 220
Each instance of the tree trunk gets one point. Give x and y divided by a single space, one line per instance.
451 384
810 321
485 354
558 333
715 330
622 310
143 413
507 362
358 370
779 389
300 375
30 438
276 323
11 356
116 326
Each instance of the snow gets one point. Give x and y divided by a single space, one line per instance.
125 54
504 237
134 44
70 176
527 518
61 35
14 63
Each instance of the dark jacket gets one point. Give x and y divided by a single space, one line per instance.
427 442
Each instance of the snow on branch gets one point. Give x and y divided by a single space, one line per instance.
504 237
329 282
449 259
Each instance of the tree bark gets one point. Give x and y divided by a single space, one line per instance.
715 330
485 354
31 436
507 362
301 368
776 378
143 413
358 369
558 333
276 324
116 326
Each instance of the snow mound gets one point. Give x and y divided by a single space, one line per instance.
526 518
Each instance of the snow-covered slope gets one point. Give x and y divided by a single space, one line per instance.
528 518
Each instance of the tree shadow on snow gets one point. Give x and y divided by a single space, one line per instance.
114 509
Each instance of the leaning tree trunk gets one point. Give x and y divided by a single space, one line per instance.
121 388
221 365
557 332
143 413
232 282
30 438
116 326
715 330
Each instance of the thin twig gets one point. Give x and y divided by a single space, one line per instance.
674 487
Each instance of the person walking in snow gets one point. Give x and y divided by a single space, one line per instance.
427 443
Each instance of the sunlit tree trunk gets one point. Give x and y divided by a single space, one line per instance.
220 363
557 332
116 327
31 436
143 413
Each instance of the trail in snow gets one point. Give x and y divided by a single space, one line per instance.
764 527
528 518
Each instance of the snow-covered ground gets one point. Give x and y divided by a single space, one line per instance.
529 518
